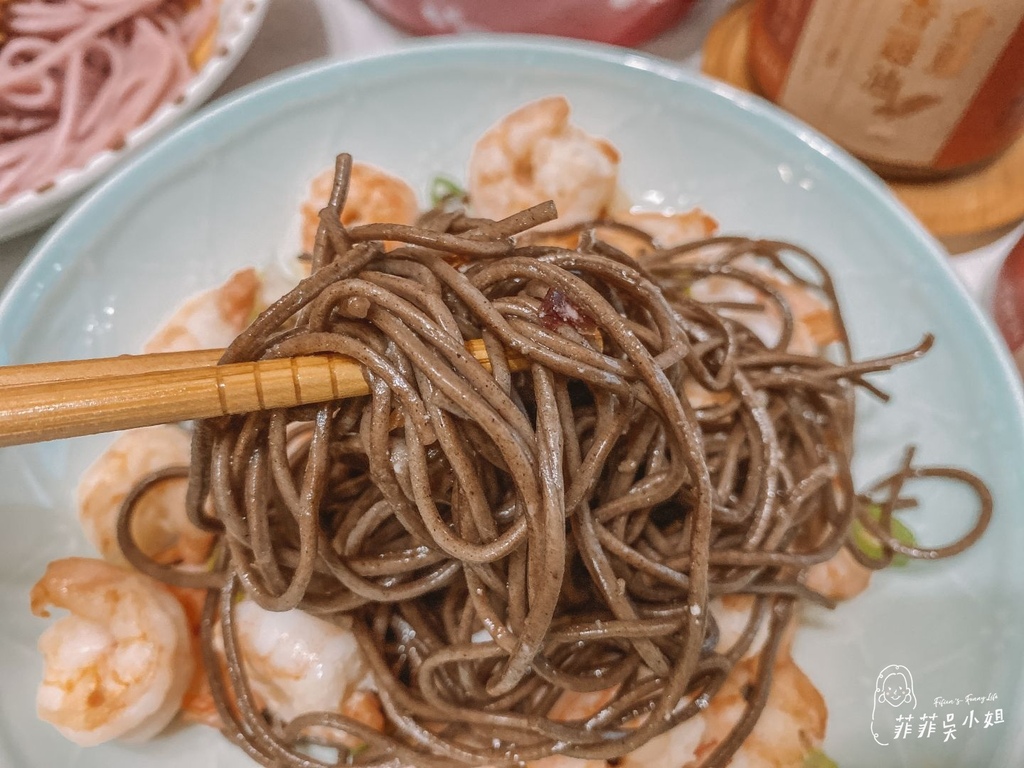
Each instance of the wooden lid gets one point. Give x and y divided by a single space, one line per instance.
970 208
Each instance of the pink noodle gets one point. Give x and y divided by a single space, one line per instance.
76 76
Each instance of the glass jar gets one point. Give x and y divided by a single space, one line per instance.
915 88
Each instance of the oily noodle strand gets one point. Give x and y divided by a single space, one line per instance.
500 540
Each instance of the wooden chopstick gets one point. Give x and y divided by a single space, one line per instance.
47 401
34 373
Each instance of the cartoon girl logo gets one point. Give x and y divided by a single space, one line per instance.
894 696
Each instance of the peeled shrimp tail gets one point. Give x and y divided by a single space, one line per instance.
119 665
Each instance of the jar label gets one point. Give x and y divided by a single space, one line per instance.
891 80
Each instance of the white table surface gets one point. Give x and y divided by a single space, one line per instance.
298 31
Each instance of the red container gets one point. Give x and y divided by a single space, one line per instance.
621 22
1008 303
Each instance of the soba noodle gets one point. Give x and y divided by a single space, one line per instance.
497 539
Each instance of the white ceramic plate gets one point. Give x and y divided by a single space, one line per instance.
221 192
239 22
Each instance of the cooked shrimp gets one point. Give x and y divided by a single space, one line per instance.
700 397
814 323
578 706
699 735
841 577
668 229
535 154
780 745
373 196
671 228
118 666
732 615
364 706
211 319
791 725
197 705
814 326
575 706
561 761
299 663
160 526
671 749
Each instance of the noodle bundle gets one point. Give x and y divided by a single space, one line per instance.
500 540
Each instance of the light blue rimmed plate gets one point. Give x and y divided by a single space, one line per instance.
221 193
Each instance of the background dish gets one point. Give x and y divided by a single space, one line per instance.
608 22
221 193
239 22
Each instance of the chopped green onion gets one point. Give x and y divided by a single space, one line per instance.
443 189
871 546
818 759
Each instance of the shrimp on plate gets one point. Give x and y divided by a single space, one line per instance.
732 614
374 196
212 318
160 526
841 577
118 666
669 229
791 726
561 761
643 230
296 662
197 705
299 663
814 322
668 749
675 745
814 325
535 154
